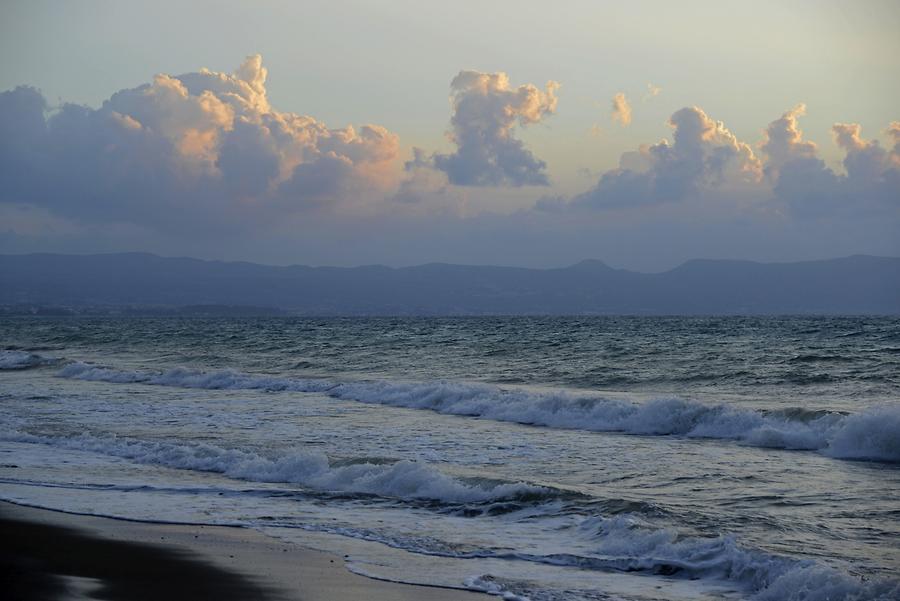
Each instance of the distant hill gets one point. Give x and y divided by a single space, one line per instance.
851 285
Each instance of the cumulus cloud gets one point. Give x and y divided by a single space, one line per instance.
194 145
621 110
704 156
652 92
707 162
808 187
486 111
427 190
872 172
155 163
793 169
783 141
893 132
866 160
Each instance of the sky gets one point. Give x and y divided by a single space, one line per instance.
642 134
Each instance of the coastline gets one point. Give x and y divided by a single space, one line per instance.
54 555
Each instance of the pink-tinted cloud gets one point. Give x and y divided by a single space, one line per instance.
706 161
704 156
621 110
202 145
783 141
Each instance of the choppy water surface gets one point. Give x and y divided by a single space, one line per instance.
540 458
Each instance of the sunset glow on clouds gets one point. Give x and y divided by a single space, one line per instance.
212 150
212 140
621 110
486 110
197 142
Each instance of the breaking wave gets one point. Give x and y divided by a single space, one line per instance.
873 435
626 544
623 543
16 359
398 480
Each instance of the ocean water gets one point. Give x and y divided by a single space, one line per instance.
533 458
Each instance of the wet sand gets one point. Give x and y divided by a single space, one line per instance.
48 555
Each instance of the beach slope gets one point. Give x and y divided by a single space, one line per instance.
52 555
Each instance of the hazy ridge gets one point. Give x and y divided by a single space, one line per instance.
850 285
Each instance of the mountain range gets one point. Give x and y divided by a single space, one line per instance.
851 285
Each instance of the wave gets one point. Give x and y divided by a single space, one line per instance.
625 543
186 378
403 479
873 435
18 359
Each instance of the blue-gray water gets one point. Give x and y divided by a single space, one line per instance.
544 458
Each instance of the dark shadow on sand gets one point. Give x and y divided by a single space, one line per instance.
35 559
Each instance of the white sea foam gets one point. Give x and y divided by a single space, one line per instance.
622 543
402 479
488 584
12 359
872 435
627 544
819 583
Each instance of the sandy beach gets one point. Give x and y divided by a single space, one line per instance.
53 555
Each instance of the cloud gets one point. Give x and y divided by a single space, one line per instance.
486 110
652 92
23 134
426 189
704 156
706 162
873 172
172 165
893 132
198 146
809 188
621 110
783 141
866 160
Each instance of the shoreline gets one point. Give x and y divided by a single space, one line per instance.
51 554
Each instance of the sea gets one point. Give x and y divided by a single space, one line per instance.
541 458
